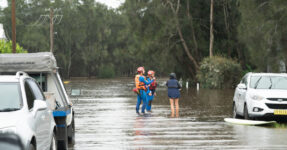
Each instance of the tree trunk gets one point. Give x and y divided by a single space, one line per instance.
193 31
70 64
211 30
225 12
185 47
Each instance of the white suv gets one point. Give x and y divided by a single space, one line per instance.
24 111
261 95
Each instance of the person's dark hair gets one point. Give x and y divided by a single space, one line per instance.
172 76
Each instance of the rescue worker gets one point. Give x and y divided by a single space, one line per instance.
141 85
151 90
173 94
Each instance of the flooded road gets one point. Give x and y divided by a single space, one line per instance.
106 119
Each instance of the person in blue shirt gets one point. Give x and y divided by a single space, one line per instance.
141 86
173 93
151 90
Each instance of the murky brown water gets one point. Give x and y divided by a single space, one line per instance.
106 119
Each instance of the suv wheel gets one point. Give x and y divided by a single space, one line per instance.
63 144
234 111
246 115
71 130
53 145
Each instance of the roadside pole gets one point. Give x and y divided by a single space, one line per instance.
13 17
51 29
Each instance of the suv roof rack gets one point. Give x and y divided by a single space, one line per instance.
21 73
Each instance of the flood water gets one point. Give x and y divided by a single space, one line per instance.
106 119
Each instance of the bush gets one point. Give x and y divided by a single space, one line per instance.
107 71
6 47
219 72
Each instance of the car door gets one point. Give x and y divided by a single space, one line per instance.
42 124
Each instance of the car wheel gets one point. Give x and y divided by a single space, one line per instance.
71 130
32 147
246 115
53 145
234 111
63 144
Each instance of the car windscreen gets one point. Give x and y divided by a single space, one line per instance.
10 97
268 82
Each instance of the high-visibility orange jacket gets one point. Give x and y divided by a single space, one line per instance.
139 85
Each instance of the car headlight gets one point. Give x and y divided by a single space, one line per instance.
256 97
8 130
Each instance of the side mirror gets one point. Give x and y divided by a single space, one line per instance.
242 86
40 105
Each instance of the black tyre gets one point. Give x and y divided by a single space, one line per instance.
63 144
53 145
246 115
32 147
71 133
234 111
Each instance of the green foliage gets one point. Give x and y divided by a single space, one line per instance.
247 69
90 36
139 33
219 72
6 47
263 31
107 71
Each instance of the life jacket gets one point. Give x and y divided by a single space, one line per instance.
139 85
153 85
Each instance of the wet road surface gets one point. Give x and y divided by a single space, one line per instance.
106 119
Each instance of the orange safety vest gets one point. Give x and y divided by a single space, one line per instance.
139 85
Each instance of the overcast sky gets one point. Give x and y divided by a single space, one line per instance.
3 3
110 3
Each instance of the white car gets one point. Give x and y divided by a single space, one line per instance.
261 95
24 111
43 68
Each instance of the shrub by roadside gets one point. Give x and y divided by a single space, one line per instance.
219 72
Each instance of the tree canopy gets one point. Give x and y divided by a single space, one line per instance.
163 35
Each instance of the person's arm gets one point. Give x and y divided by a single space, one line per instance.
144 81
154 92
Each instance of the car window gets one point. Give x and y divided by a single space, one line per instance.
38 94
41 79
269 82
279 83
10 95
244 80
29 95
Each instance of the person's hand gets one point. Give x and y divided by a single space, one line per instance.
154 78
154 94
150 94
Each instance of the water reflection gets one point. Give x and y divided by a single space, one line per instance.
106 119
139 133
260 137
